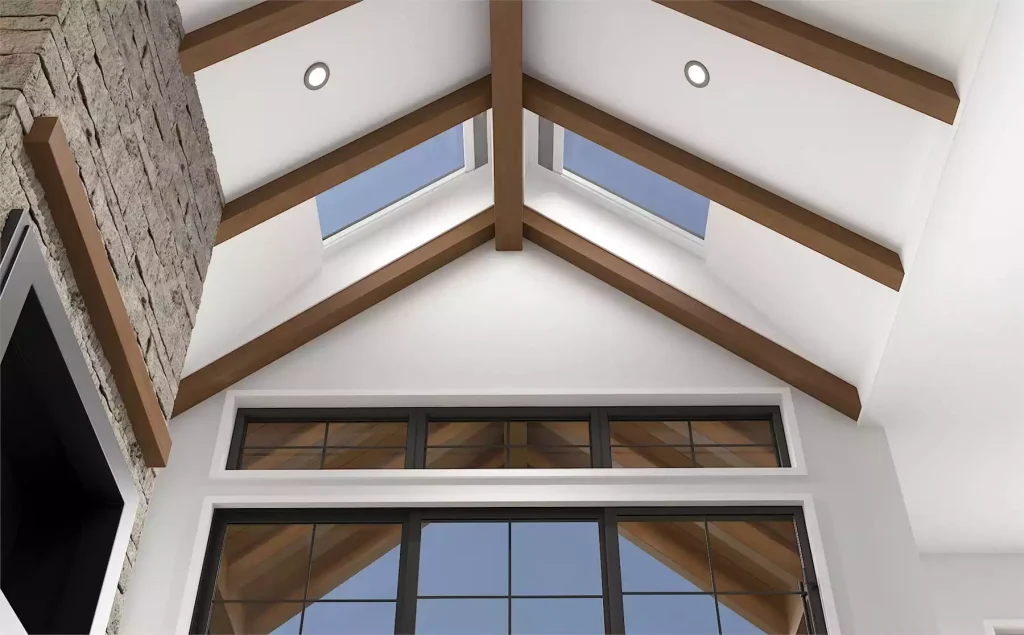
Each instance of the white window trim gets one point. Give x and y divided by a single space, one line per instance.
1004 627
235 399
469 159
470 495
608 200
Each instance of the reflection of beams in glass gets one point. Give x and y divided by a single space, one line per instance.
541 575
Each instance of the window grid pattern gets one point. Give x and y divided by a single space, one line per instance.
645 568
309 439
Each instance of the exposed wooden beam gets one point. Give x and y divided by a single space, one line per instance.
55 167
324 316
507 118
340 165
249 28
694 315
819 49
743 197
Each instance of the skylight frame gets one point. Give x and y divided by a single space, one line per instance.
475 147
550 139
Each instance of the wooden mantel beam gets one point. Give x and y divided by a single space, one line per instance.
507 117
710 181
873 71
251 27
322 317
55 167
341 164
694 315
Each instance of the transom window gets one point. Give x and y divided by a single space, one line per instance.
511 571
519 438
643 194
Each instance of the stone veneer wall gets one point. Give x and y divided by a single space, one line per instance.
109 69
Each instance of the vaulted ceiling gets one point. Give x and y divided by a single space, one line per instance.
820 139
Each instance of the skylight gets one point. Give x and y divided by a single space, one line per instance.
635 184
379 187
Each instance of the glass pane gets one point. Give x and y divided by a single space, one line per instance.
556 558
558 457
463 433
755 556
555 432
649 432
675 614
638 185
564 616
736 456
466 458
367 434
364 459
664 556
391 181
733 432
664 456
264 562
355 562
349 618
255 618
462 617
276 435
281 459
756 614
464 558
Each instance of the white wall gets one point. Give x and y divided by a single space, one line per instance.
970 589
515 328
947 385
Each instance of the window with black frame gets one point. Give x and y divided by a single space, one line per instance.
518 438
509 571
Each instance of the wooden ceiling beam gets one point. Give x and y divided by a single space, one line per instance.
507 117
743 197
694 315
249 28
57 171
873 71
324 316
352 159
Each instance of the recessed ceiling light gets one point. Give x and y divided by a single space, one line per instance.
697 74
316 76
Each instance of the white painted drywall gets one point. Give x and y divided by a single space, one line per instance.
948 385
513 328
969 589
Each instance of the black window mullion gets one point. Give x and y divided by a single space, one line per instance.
408 574
309 570
611 574
416 441
779 438
711 567
600 439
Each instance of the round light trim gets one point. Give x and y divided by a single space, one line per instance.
316 76
697 74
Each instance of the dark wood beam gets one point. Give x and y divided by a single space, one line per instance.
507 118
829 53
694 315
743 197
322 317
340 165
883 75
55 167
251 27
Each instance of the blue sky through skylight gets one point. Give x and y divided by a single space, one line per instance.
636 184
391 181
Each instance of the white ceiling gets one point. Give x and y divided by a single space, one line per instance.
843 152
387 58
